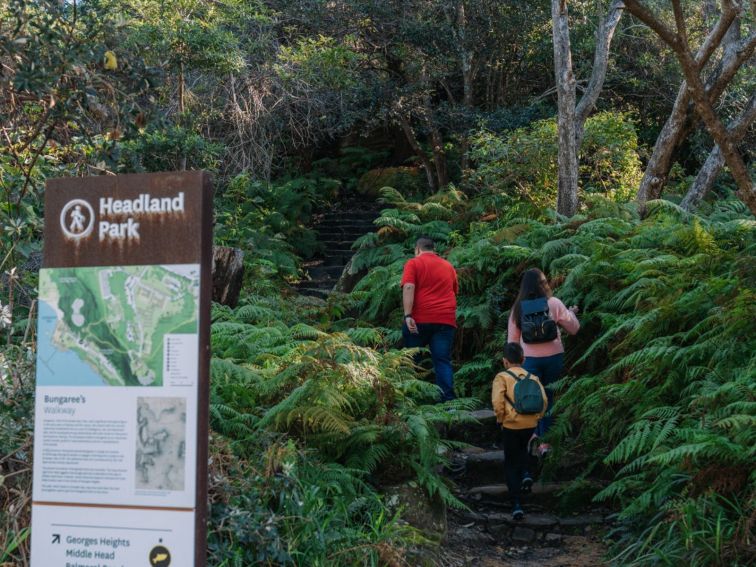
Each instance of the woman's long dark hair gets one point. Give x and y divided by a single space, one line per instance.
534 285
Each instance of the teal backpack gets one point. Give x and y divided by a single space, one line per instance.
527 395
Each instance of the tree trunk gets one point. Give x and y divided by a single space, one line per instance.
182 108
567 196
468 77
466 57
439 155
425 161
604 35
713 164
228 274
572 116
181 88
678 41
733 159
679 124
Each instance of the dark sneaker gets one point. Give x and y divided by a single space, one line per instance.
527 484
517 513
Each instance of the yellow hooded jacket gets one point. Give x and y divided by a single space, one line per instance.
506 415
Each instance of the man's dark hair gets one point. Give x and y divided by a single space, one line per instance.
425 243
513 353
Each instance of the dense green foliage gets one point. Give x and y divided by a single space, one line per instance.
315 412
661 393
523 163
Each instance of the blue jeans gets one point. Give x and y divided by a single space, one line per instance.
440 339
548 369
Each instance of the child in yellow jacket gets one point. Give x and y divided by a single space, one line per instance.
517 428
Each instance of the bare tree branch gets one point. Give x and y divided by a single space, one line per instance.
572 116
715 161
692 72
604 35
678 125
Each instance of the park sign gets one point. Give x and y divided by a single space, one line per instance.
120 429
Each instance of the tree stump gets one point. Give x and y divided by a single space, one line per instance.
228 273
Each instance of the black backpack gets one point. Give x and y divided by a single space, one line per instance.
535 323
528 397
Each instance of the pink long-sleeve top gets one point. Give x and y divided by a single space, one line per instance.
564 318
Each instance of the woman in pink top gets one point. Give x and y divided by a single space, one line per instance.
545 359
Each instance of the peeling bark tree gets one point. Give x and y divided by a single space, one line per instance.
680 121
468 73
228 274
677 40
572 116
714 163
425 161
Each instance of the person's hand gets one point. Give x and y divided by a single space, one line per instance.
411 325
575 309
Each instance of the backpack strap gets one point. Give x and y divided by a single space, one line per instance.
517 379
516 376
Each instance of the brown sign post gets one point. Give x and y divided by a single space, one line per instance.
121 423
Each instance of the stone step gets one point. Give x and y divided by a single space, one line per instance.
544 493
340 251
323 283
484 467
498 523
539 529
339 237
342 224
340 259
314 291
359 230
354 233
352 216
500 491
335 243
325 272
476 427
331 240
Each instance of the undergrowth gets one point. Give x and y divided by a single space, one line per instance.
660 396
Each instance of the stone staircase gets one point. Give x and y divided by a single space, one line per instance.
337 229
485 533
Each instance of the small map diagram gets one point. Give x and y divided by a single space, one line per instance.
161 443
106 325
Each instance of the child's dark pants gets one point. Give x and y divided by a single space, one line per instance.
515 458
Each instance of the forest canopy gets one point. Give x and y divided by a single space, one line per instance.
609 143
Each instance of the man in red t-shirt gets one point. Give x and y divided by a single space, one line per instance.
429 295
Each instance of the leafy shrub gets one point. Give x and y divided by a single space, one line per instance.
661 396
268 222
408 181
16 427
169 148
292 509
521 165
349 165
358 407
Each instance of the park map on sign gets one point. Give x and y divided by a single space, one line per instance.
114 319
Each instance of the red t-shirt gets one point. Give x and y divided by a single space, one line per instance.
436 289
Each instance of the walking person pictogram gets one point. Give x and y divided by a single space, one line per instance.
77 220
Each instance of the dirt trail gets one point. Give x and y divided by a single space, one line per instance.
469 546
486 536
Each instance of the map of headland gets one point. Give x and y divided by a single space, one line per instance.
113 320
